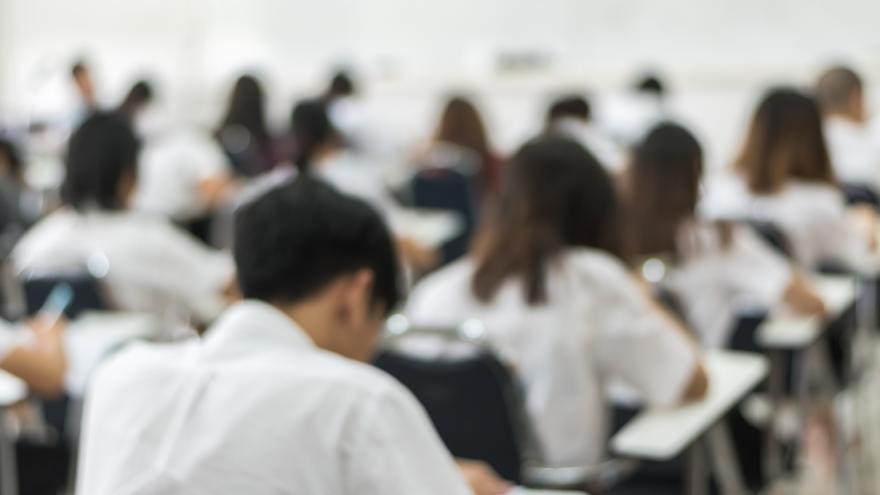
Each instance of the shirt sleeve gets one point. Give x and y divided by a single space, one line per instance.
636 343
394 449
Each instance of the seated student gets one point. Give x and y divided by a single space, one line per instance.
135 102
571 116
150 265
714 269
783 175
273 398
853 150
243 133
567 312
19 205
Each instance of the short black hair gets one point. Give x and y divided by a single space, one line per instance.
341 84
651 83
100 154
569 106
294 240
310 128
78 68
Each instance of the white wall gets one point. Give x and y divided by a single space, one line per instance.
716 53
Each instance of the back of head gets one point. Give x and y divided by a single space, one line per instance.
662 189
140 94
461 124
785 142
78 69
837 91
341 85
101 163
556 196
246 108
573 106
298 238
650 84
311 129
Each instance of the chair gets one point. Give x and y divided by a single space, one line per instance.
88 294
774 236
859 194
448 189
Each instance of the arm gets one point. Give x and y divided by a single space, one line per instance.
802 297
42 364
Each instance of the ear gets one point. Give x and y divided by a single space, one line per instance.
355 298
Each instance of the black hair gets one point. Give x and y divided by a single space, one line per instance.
310 128
651 84
340 85
78 68
568 106
140 94
296 239
246 109
9 150
100 154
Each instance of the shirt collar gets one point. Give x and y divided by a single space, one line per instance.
252 326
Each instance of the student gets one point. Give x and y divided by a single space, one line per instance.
572 116
854 153
714 269
461 141
84 86
19 205
148 264
273 398
138 97
643 106
243 132
783 175
560 306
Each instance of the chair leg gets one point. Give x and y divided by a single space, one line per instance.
725 463
8 464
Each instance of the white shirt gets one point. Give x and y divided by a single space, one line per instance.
255 408
813 216
597 325
150 265
171 168
854 152
594 139
715 279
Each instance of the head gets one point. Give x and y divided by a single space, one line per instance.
650 84
312 132
101 166
139 96
784 142
556 196
662 187
11 164
839 92
569 107
82 78
325 259
341 85
246 108
461 124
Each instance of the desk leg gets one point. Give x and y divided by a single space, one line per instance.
775 388
696 477
725 463
8 465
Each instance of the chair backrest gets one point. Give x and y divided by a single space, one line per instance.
859 194
88 294
448 189
774 236
473 402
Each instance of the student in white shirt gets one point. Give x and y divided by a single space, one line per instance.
854 152
783 175
274 398
147 263
714 269
572 116
568 313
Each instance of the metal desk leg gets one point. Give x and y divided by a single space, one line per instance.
696 477
725 463
8 464
775 388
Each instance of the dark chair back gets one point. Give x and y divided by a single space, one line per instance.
474 404
88 294
448 189
859 194
773 236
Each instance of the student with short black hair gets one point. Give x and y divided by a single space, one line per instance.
148 264
572 116
299 412
554 300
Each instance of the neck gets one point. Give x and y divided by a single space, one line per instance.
312 319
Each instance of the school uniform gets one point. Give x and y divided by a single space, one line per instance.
596 325
812 215
854 152
594 139
255 407
720 275
150 265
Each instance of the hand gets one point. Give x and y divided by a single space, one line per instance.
422 258
48 333
482 479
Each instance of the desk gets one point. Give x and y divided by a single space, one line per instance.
428 227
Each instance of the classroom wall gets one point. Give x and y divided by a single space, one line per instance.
716 54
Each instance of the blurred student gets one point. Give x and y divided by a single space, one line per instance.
642 107
19 205
783 175
148 264
84 85
854 153
344 109
275 398
563 308
461 141
714 268
243 132
135 102
571 116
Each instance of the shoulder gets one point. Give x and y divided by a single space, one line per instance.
138 365
449 285
594 263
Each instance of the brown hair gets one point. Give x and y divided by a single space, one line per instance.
556 195
835 89
784 142
461 124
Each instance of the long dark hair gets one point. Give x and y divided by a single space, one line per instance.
785 141
662 186
556 195
246 108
